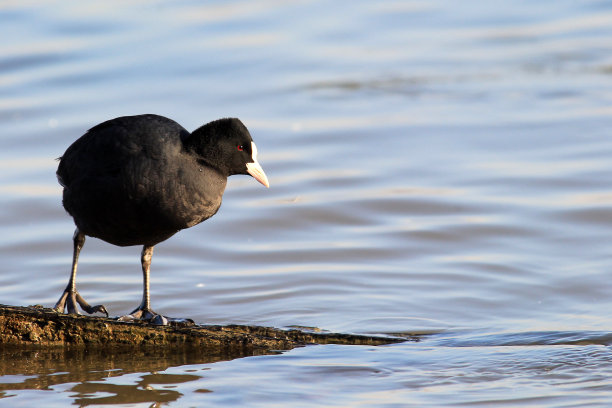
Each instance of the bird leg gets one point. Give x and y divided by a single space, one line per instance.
144 311
70 298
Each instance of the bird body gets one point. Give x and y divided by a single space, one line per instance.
131 181
138 180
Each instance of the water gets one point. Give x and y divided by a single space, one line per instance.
436 167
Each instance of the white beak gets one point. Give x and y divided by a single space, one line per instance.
255 169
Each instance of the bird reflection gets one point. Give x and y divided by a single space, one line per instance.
95 373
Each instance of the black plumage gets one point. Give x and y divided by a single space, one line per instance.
138 180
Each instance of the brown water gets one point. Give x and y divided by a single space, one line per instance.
440 167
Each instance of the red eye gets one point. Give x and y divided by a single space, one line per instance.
240 148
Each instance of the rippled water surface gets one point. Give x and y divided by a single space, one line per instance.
437 167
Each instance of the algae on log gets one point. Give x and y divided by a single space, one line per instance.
40 326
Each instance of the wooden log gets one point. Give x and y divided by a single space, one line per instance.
44 327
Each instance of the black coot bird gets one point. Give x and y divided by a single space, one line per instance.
138 180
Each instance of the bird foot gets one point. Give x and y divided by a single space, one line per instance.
69 300
150 316
146 315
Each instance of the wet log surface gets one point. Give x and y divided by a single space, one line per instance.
43 327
